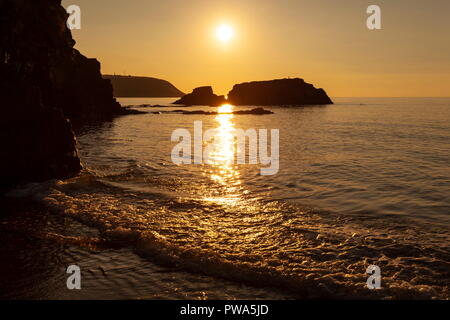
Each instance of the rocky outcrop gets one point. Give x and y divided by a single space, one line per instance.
277 92
203 96
141 87
256 111
37 141
81 92
44 81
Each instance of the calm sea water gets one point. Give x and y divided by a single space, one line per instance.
365 181
360 156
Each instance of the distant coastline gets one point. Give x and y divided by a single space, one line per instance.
142 87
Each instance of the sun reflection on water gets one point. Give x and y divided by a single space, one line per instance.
223 169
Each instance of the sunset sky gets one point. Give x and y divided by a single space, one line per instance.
326 42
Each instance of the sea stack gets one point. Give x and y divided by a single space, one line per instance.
277 92
203 96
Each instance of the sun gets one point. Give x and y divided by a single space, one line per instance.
225 33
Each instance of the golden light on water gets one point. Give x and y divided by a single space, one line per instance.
222 156
226 108
223 169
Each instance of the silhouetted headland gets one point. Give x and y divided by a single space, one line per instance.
203 96
277 92
44 82
142 87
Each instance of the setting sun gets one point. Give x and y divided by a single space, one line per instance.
225 33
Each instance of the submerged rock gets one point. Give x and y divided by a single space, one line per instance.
277 92
203 96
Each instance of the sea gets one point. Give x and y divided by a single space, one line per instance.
364 182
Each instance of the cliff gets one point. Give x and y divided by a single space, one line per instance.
277 92
141 87
44 81
203 96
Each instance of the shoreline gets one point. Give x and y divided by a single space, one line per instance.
40 243
37 261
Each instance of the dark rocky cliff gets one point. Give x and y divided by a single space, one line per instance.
203 96
140 87
44 81
277 92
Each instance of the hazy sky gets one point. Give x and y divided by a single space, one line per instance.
326 42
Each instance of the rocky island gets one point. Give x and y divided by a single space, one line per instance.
203 96
277 92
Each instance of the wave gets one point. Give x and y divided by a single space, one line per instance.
261 243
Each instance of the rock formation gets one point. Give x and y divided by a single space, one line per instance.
203 96
277 92
141 87
256 111
37 141
43 80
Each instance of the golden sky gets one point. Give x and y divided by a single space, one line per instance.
326 42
